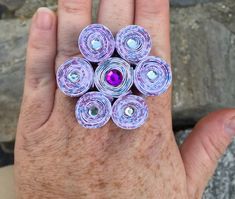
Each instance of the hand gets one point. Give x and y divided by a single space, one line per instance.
56 158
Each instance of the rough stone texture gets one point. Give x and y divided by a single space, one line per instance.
30 7
222 184
203 45
12 4
13 37
184 3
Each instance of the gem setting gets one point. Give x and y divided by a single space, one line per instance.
114 77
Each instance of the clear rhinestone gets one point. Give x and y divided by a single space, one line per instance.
96 44
129 111
73 77
93 111
133 44
152 75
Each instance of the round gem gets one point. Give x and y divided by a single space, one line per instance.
93 111
152 75
129 111
73 77
114 77
133 44
96 44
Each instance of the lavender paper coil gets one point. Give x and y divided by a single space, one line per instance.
75 77
133 43
96 43
93 110
129 112
152 76
117 64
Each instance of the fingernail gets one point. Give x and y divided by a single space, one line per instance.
230 126
44 19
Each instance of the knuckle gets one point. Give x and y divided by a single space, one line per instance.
39 45
75 6
213 148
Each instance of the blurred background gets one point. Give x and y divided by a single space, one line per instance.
203 59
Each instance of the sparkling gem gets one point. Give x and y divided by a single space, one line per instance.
152 75
129 111
93 111
73 77
96 44
133 44
114 77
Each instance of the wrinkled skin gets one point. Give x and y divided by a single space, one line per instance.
56 158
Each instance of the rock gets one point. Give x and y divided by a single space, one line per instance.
190 2
222 183
13 38
12 4
31 6
203 61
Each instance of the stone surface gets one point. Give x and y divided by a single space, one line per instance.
12 4
30 7
13 37
222 184
184 3
203 46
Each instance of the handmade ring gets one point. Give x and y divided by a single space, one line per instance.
114 77
152 76
75 77
96 43
129 112
133 43
93 110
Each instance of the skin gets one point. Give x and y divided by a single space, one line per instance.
56 158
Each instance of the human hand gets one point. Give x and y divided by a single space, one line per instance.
56 158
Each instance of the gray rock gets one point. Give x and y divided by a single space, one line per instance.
203 61
13 37
184 3
12 4
222 184
30 7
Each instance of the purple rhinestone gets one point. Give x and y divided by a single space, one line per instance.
114 77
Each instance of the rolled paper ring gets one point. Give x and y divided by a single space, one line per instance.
114 77
75 77
133 43
93 110
152 76
129 112
96 43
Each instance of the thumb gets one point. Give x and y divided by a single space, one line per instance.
204 146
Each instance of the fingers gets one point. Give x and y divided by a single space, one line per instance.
153 15
204 146
116 14
73 16
39 78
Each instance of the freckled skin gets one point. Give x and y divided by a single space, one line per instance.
62 160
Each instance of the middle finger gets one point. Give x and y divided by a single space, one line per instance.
116 13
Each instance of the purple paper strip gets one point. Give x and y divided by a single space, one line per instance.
152 76
93 110
129 112
133 43
96 43
75 77
114 77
